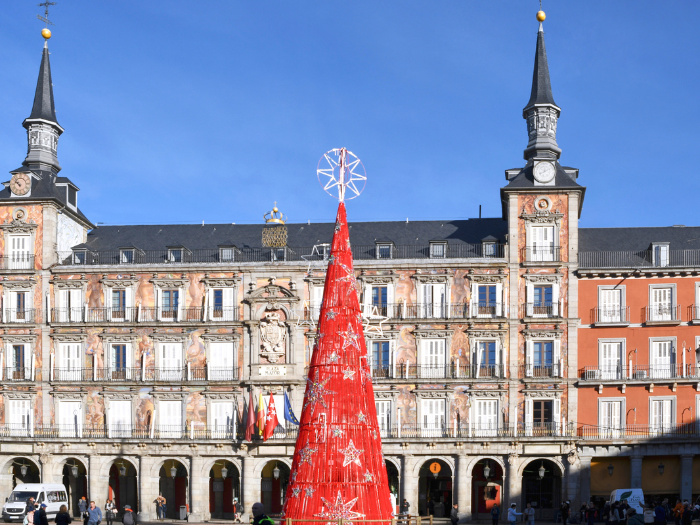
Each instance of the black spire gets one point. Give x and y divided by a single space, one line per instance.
541 86
43 107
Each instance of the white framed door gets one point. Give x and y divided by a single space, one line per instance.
611 360
662 362
19 416
434 301
432 417
170 419
70 419
383 407
119 418
20 252
661 306
432 358
221 365
171 362
542 243
610 306
69 362
222 419
609 419
661 415
486 420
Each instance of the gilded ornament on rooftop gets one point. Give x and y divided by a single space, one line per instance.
274 234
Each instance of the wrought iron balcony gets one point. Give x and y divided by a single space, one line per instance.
408 370
541 254
139 314
541 310
479 430
19 261
137 374
17 374
540 371
640 372
22 315
611 315
633 260
663 314
690 431
431 311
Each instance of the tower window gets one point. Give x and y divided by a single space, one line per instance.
72 196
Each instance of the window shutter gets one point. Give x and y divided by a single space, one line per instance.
529 298
556 300
390 300
556 417
557 364
229 304
528 416
367 299
473 300
499 300
528 358
159 303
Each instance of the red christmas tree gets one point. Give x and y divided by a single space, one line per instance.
338 470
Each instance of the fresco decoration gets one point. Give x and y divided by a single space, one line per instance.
406 346
459 346
460 289
196 410
405 291
38 359
196 353
195 290
145 293
2 410
145 353
93 346
406 401
144 408
94 408
94 295
459 408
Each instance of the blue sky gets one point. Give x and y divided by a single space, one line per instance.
184 111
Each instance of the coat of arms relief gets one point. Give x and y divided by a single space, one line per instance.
273 334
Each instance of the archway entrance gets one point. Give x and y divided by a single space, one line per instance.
173 487
75 480
24 471
275 476
487 487
224 485
123 486
542 488
392 474
435 489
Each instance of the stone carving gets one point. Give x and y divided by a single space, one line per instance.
68 233
512 458
572 458
273 334
542 123
42 136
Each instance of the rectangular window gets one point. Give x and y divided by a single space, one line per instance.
609 419
488 299
438 250
542 246
489 249
383 416
72 196
218 296
433 417
432 358
221 361
660 254
486 417
663 363
542 358
119 357
20 253
222 419
171 302
384 251
486 359
118 301
661 304
542 301
611 360
434 301
175 255
18 416
79 257
70 419
119 418
127 256
379 296
19 370
610 309
71 305
69 364
221 304
170 362
226 254
380 355
170 419
20 303
661 416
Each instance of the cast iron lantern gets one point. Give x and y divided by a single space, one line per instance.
122 470
487 471
74 471
224 472
276 472
661 469
541 471
173 471
610 469
23 470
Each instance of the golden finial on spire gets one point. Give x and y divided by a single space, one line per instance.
46 33
541 16
275 216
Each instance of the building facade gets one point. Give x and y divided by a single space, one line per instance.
130 354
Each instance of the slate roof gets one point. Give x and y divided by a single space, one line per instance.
638 239
194 236
525 179
541 86
43 107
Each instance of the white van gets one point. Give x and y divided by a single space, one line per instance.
634 497
53 494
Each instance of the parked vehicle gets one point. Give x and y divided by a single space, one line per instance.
52 494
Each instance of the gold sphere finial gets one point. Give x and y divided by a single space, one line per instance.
275 209
46 33
541 16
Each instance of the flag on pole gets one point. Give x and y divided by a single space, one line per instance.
250 420
288 412
271 420
261 414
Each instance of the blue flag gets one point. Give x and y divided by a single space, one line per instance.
288 412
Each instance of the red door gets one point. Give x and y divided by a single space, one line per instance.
488 496
180 495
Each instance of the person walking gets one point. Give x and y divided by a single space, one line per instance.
94 514
405 506
63 518
454 514
129 517
259 517
109 511
495 514
83 507
159 506
40 517
686 518
677 512
614 517
529 514
513 514
29 517
236 511
565 511
659 514
30 505
590 513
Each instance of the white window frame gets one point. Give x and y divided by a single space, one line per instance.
659 316
437 247
9 302
70 431
227 253
126 430
74 313
9 361
557 362
661 371
368 308
609 315
111 367
604 372
123 255
603 430
381 245
534 256
219 429
660 254
476 357
437 306
474 303
429 428
25 427
384 424
20 259
129 315
476 427
170 373
229 296
530 412
653 428
180 303
218 372
435 370
170 430
171 254
73 373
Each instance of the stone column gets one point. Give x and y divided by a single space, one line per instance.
635 471
585 479
199 489
148 489
250 486
514 483
98 485
573 481
463 489
410 482
687 477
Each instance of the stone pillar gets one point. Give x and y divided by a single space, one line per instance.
410 482
250 486
687 477
573 482
514 483
98 484
149 487
585 479
635 471
199 489
463 488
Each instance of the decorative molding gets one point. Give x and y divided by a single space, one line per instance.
177 396
542 334
548 394
221 338
512 458
68 338
431 278
12 394
378 279
221 282
431 394
118 396
19 285
420 334
159 282
69 396
18 226
63 284
118 338
316 281
273 337
119 283
543 277
272 293
227 396
385 394
386 335
18 338
486 277
541 216
478 394
169 338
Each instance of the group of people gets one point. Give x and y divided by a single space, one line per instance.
90 513
621 513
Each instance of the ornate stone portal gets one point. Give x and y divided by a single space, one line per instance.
273 334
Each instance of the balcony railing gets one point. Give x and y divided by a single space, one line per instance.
135 314
612 315
134 374
110 315
302 254
661 314
479 430
640 372
431 310
453 371
541 254
17 374
686 431
540 371
19 261
543 310
638 259
695 312
21 315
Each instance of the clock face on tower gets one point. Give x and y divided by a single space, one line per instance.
20 183
544 172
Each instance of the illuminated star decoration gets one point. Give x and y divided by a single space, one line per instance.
369 476
349 276
361 417
337 432
350 338
339 510
330 314
333 358
348 373
309 491
295 492
352 454
305 454
338 225
317 389
293 477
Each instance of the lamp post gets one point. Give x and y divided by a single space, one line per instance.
661 469
610 469
276 472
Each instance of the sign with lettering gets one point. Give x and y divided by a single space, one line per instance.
273 370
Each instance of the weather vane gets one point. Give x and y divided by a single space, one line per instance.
45 18
339 170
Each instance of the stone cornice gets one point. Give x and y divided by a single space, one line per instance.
119 283
19 285
63 284
18 226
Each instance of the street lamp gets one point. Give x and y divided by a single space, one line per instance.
173 470
541 471
74 470
122 470
661 469
276 472
487 471
610 469
224 472
23 470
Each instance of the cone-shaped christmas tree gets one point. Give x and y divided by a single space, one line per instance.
338 469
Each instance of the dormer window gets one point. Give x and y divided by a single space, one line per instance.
278 254
488 246
438 250
79 256
227 253
72 196
126 255
660 254
384 250
175 254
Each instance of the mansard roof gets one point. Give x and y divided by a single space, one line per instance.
638 239
196 236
